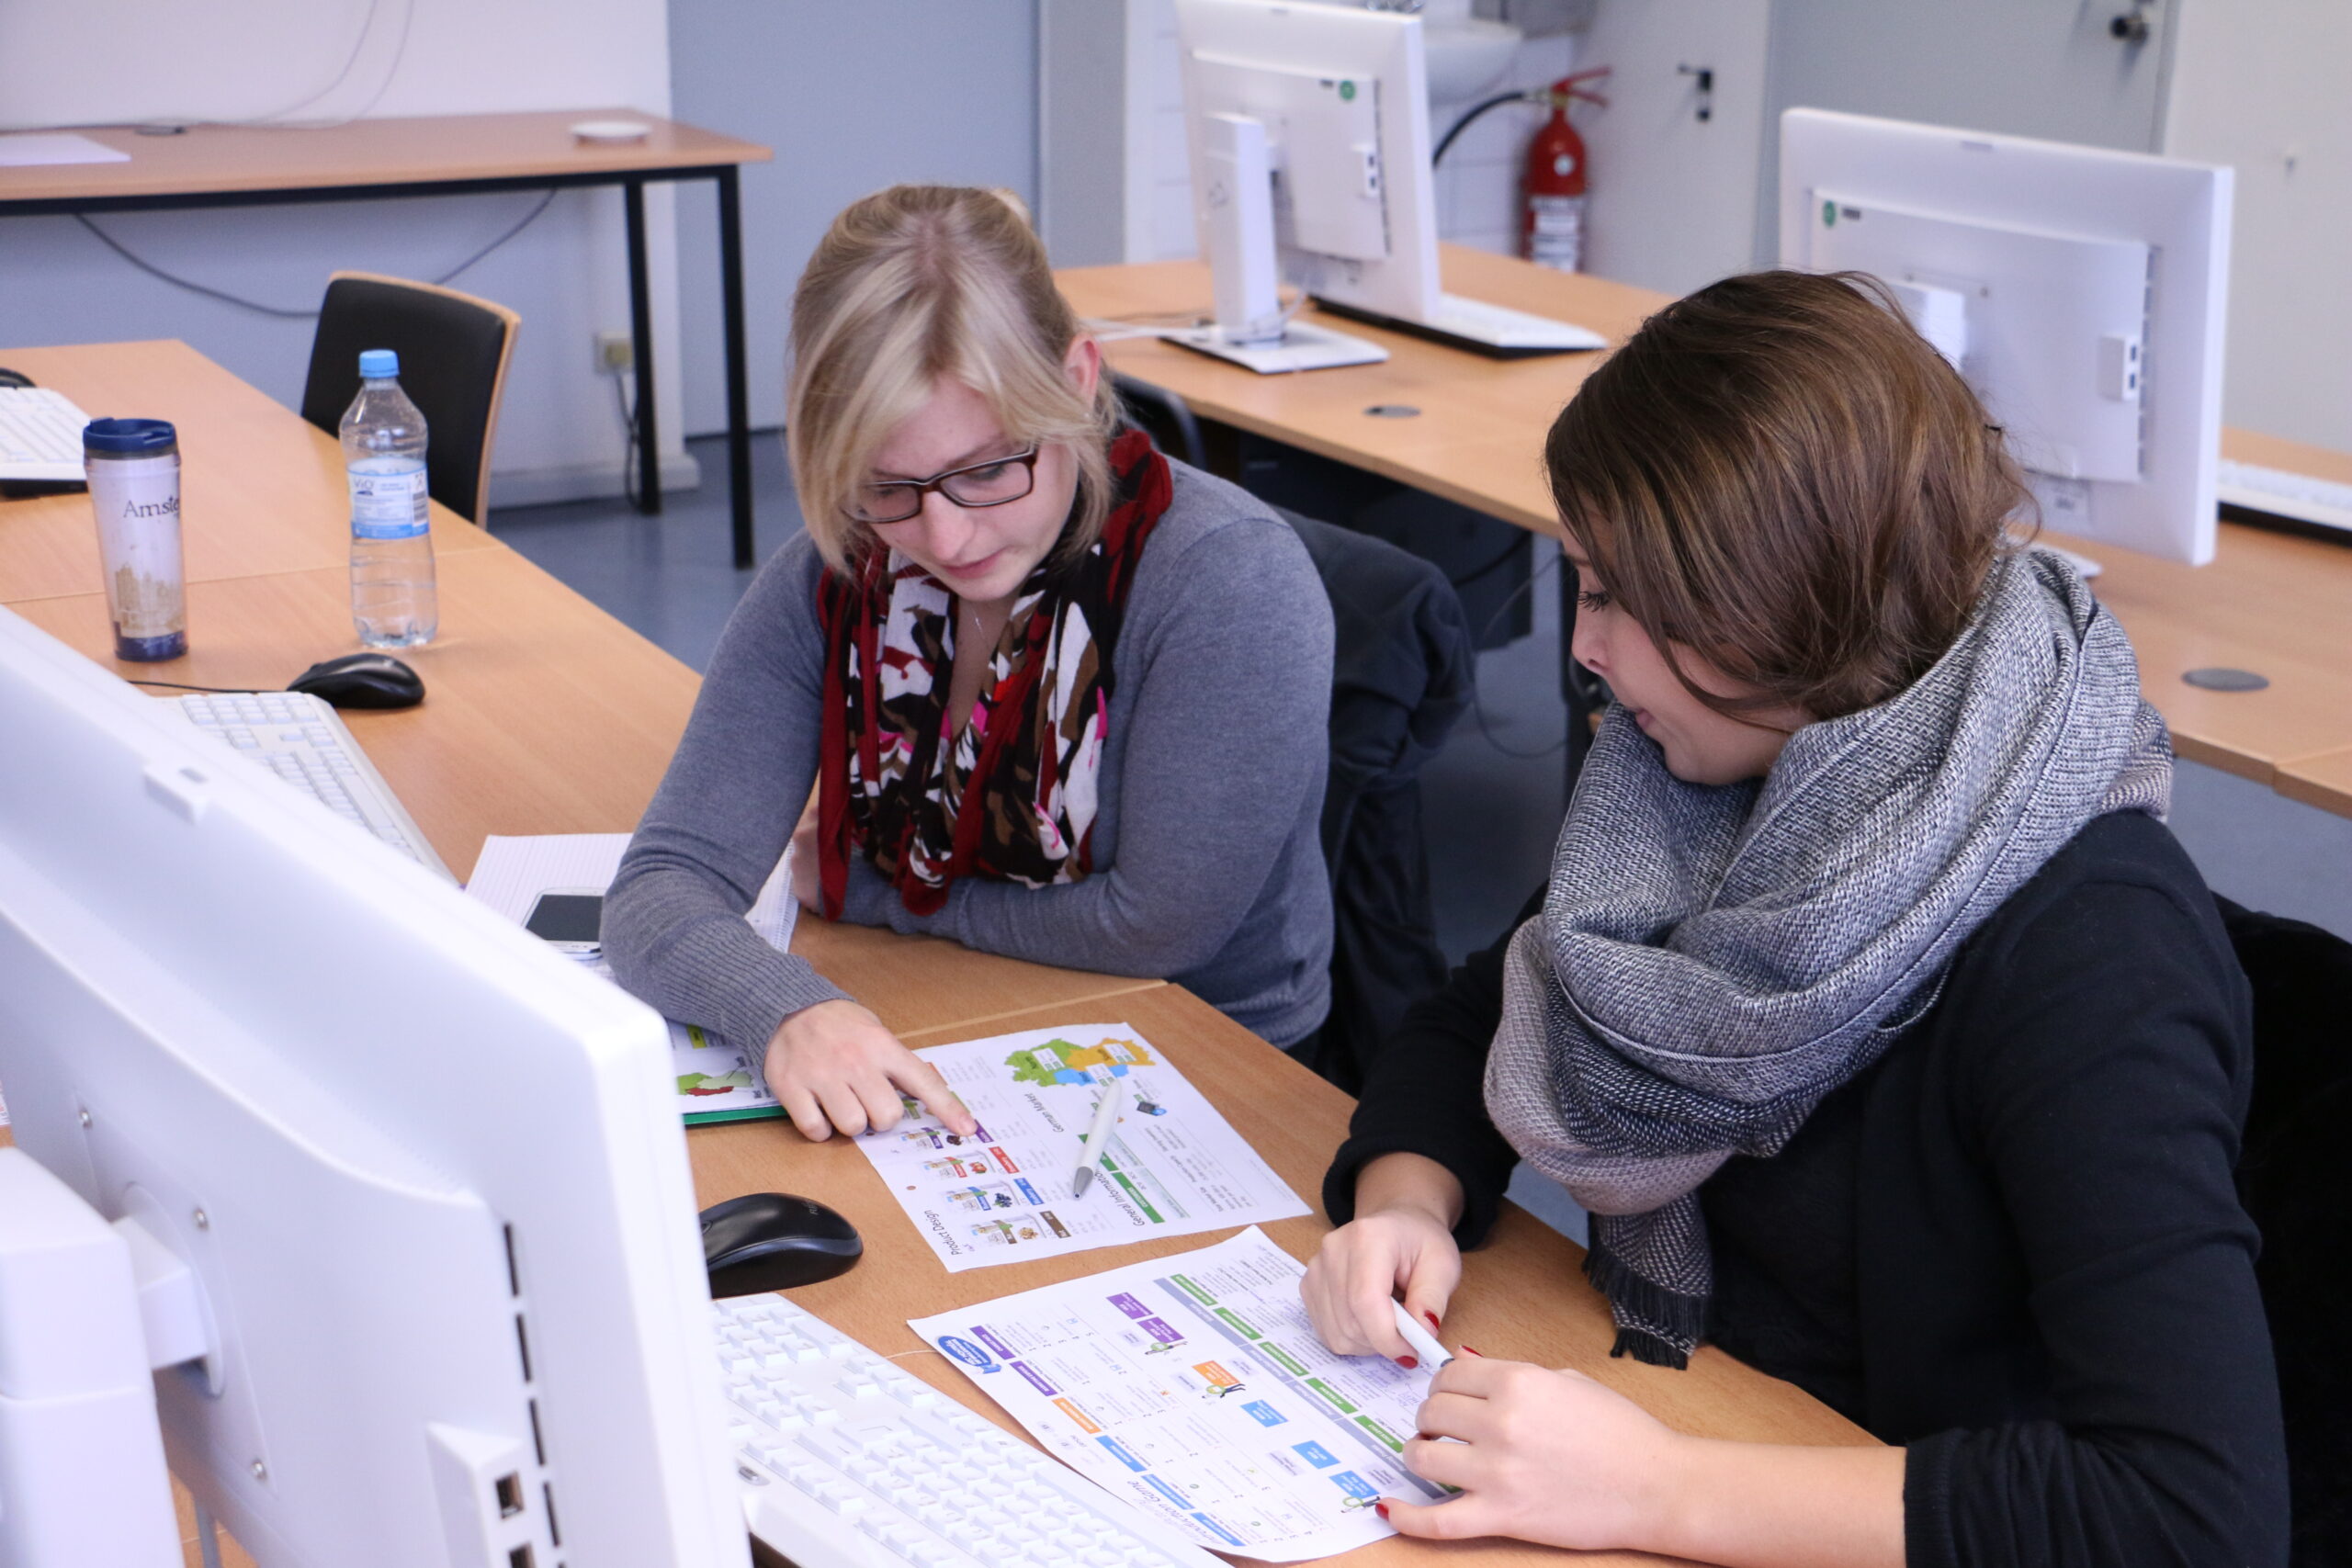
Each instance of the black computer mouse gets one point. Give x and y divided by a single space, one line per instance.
362 680
772 1241
14 378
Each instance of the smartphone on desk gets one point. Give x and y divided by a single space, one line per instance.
570 920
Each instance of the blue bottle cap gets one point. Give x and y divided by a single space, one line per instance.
130 438
378 363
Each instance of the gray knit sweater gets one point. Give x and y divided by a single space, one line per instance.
1208 870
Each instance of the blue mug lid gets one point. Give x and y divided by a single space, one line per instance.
130 437
378 363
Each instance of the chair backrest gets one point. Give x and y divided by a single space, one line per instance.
1163 417
2295 1174
453 349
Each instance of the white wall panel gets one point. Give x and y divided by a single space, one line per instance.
2261 88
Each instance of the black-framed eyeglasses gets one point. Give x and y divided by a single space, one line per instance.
975 485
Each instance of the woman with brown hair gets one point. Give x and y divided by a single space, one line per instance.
1887 1035
1061 698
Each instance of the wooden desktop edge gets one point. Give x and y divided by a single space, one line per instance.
403 150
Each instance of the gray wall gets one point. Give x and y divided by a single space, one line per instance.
2043 68
854 95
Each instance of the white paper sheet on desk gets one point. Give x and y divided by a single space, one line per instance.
28 151
1174 1166
715 1082
1194 1387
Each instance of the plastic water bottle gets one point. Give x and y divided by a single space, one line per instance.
394 602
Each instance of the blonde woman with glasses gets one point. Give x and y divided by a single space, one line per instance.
1059 698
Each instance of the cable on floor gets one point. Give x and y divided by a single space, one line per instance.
152 270
1479 697
632 479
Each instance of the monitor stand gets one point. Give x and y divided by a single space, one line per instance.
88 1313
1301 348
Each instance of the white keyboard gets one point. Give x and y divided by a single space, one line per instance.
40 436
1506 328
2284 494
302 739
847 1461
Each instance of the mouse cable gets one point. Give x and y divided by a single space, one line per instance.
119 248
175 685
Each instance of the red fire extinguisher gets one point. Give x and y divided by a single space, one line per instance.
1552 226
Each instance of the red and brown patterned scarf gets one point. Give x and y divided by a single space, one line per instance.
1012 795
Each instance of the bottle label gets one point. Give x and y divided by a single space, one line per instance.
387 505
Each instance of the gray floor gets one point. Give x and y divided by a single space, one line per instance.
1492 800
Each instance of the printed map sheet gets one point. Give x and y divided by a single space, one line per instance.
715 1083
1174 1166
1194 1387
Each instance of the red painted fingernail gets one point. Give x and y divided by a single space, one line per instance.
1381 1508
1468 1351
1408 1362
1432 1317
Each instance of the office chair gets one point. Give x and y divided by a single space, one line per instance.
1162 415
1403 668
453 349
2294 1169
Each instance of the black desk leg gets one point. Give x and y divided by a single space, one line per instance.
738 395
640 332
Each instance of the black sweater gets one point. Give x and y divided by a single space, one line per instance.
2013 1245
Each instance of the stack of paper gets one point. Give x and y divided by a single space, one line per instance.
1172 1167
1196 1388
715 1082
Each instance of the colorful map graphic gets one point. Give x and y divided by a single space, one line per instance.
1060 1062
704 1083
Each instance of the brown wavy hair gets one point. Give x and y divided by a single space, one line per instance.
1778 474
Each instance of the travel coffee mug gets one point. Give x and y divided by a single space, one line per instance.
133 466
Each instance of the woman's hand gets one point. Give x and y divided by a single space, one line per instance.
1554 1457
1402 1238
1541 1455
835 1067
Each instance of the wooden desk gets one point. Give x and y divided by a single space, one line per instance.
526 670
1523 1296
2324 781
2271 603
228 165
260 492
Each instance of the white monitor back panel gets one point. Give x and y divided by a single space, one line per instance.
1958 187
2049 318
1345 98
428 1174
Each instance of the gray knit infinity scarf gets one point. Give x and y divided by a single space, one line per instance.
1712 961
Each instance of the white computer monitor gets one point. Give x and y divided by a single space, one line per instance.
422 1180
1308 129
2082 291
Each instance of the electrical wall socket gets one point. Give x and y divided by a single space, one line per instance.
615 355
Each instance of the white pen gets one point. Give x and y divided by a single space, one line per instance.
1106 1112
1425 1346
